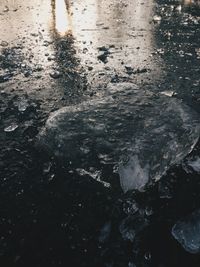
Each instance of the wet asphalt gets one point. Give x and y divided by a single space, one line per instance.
54 54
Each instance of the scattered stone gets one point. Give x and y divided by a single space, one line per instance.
103 57
22 105
104 54
90 68
4 77
38 68
55 74
4 43
129 70
157 18
6 9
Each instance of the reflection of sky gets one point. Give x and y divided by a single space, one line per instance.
62 17
94 23
27 23
123 24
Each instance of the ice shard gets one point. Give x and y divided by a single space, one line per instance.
187 232
140 133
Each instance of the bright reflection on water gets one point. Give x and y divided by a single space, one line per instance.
62 17
124 26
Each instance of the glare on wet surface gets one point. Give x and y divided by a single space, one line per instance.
62 17
123 27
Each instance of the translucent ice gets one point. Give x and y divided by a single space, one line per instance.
140 133
195 164
11 128
187 232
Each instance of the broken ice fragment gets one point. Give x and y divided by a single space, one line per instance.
194 164
157 18
168 93
23 105
131 226
11 128
105 232
4 43
130 207
179 8
141 134
133 175
6 9
187 232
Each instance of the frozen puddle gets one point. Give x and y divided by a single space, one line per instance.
138 133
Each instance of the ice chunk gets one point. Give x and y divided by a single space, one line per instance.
168 93
22 105
157 18
131 226
94 174
187 232
11 128
141 134
133 175
195 164
105 232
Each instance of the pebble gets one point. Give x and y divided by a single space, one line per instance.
4 43
55 74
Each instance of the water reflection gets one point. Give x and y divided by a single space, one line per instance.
62 17
123 27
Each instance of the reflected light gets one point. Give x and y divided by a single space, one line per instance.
187 2
62 18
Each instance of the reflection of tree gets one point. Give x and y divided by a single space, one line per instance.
65 53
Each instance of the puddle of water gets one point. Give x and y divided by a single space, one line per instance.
62 17
123 25
27 25
123 28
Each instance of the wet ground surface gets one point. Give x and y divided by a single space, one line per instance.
56 54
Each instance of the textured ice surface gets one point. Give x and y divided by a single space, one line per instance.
187 232
195 164
139 133
131 226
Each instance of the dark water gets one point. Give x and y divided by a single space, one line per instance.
97 63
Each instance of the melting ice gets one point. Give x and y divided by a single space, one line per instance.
140 134
187 232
